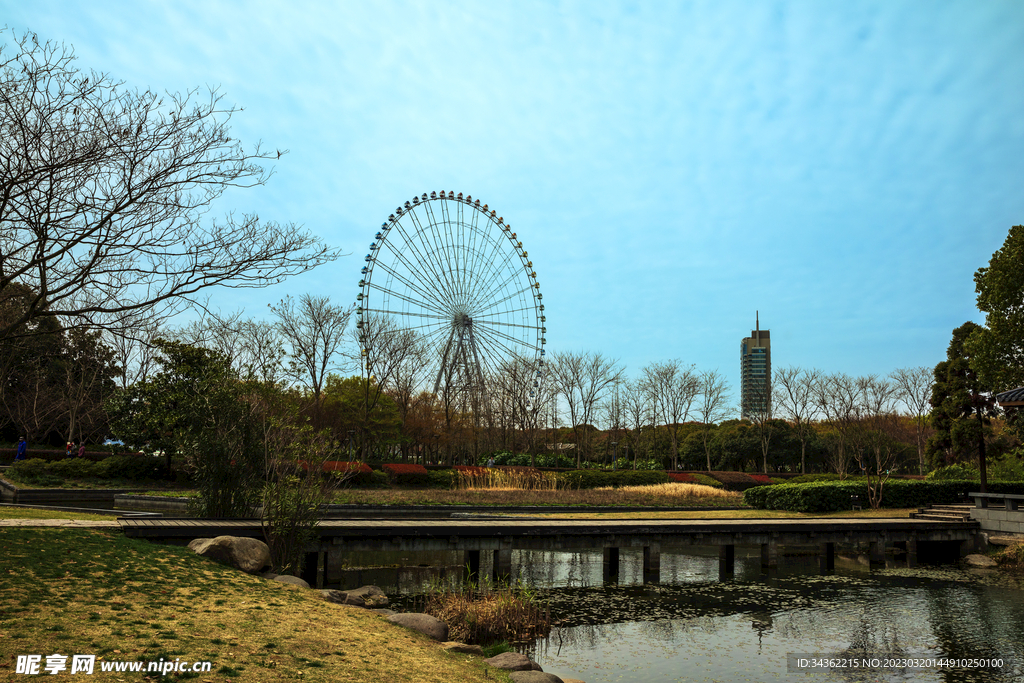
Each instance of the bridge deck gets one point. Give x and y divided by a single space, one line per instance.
525 529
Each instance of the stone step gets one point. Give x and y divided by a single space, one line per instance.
940 517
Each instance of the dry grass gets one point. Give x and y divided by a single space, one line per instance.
646 496
1012 556
896 513
679 491
93 592
506 479
489 615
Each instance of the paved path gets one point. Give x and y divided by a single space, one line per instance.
63 523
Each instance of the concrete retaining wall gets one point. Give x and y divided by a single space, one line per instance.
999 519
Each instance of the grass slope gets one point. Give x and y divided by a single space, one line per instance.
39 513
96 592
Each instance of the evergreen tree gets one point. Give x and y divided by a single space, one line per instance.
961 406
997 350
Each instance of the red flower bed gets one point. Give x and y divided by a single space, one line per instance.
682 477
761 478
470 469
734 481
404 474
403 468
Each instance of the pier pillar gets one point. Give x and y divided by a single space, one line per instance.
827 558
652 563
726 562
321 568
610 565
769 556
472 563
876 554
502 567
912 552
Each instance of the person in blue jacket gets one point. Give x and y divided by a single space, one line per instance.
22 448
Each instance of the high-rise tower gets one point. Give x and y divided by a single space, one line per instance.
755 371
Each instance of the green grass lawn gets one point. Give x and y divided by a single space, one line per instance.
36 513
83 591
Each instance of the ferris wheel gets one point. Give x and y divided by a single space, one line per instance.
449 269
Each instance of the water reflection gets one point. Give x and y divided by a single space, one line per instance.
692 626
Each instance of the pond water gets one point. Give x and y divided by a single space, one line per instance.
754 627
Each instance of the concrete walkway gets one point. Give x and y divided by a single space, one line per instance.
63 523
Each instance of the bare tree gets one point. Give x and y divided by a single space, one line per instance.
794 396
760 410
713 406
673 388
391 361
880 431
582 378
105 191
132 343
254 348
637 412
914 390
837 396
314 330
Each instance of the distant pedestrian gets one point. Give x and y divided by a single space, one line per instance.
69 450
81 450
22 448
490 461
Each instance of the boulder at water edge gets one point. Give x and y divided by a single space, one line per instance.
248 554
534 677
424 623
463 649
513 661
367 596
370 595
979 561
293 580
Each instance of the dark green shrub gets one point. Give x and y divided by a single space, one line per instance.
835 496
807 478
75 468
133 467
706 480
33 471
956 472
374 479
441 479
734 481
592 479
756 496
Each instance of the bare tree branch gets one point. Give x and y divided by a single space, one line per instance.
105 191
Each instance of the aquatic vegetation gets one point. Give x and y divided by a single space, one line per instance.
485 614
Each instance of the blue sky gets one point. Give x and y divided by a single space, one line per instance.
671 167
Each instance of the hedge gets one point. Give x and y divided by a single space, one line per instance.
134 467
7 455
734 481
441 479
835 496
592 479
402 474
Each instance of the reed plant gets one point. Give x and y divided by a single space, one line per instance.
505 479
656 495
1012 556
483 613
677 493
